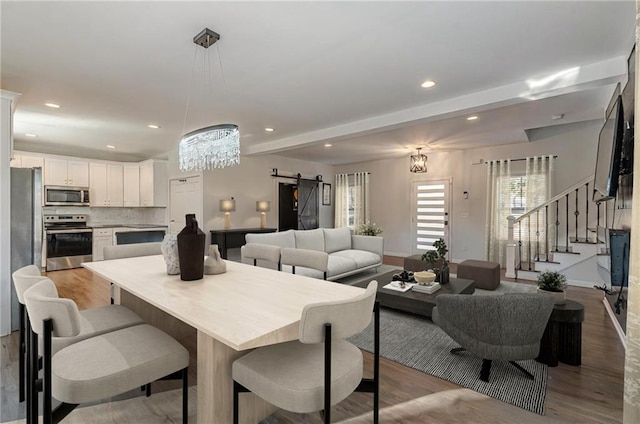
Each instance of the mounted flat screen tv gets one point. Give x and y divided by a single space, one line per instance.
605 184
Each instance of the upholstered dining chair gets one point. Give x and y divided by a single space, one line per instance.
307 258
319 369
98 367
265 252
24 278
495 327
93 322
121 251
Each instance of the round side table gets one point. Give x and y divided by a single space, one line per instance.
562 339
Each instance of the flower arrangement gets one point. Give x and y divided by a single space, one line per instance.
552 281
368 229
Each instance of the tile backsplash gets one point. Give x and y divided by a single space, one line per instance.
95 216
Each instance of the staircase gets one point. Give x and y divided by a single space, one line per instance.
566 234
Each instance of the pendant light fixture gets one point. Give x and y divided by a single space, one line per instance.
216 146
418 162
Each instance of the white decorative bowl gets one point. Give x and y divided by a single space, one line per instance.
424 278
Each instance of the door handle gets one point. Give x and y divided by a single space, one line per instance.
446 222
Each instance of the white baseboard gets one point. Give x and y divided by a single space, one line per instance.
402 255
615 322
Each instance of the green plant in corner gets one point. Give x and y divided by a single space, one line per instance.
368 229
552 281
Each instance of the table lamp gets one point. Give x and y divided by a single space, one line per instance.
227 206
263 206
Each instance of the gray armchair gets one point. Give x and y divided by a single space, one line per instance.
495 328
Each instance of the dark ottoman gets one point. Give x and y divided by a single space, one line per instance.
485 274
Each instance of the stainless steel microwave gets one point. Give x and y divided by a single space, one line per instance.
66 196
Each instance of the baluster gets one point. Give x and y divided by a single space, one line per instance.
520 245
557 223
576 213
538 235
546 232
586 210
566 199
529 241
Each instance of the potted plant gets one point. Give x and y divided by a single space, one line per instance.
554 284
437 260
368 229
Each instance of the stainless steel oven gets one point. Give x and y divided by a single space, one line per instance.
69 241
66 196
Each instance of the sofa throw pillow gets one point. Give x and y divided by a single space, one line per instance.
310 239
336 239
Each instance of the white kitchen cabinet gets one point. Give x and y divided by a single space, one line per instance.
153 183
62 172
101 237
106 185
23 161
131 186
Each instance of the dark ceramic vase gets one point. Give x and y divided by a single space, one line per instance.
191 243
442 276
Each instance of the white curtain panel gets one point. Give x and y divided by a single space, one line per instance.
341 201
537 229
498 209
361 199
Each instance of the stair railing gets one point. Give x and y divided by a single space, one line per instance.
534 248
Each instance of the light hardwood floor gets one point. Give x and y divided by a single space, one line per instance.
590 393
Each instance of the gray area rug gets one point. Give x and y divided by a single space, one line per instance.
418 343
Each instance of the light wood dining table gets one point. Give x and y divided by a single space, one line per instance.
231 314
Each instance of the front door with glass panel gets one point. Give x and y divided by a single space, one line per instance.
430 220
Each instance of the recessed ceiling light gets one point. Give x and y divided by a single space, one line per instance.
556 117
428 84
269 129
52 105
30 135
472 118
111 146
328 145
154 126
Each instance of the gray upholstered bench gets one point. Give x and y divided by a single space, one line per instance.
485 274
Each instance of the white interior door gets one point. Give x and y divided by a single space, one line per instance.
185 198
430 214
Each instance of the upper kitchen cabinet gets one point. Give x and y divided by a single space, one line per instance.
62 172
153 183
106 187
131 173
24 161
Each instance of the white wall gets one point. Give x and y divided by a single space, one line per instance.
6 100
391 183
249 182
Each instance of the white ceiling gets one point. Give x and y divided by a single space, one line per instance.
348 73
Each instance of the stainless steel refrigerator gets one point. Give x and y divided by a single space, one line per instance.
26 226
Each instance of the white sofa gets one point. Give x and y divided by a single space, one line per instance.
347 254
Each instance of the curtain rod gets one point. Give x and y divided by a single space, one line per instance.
484 162
354 173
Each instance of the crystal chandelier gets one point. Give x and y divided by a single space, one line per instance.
216 146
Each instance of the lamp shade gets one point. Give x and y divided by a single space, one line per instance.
263 206
228 205
418 163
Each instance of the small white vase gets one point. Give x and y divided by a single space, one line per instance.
169 249
559 297
213 264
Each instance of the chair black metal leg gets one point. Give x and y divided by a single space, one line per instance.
21 360
46 389
147 388
527 373
237 389
327 373
486 369
185 396
457 350
32 412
